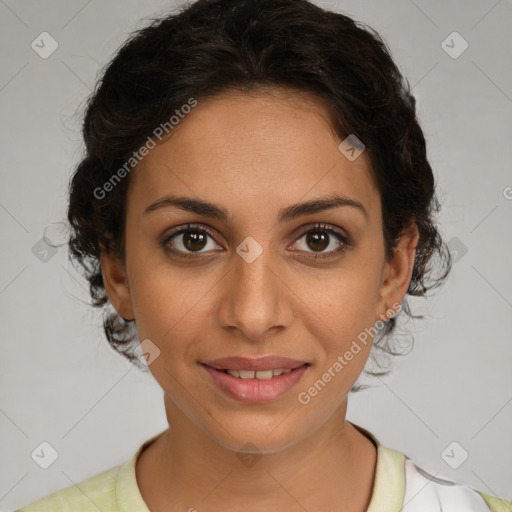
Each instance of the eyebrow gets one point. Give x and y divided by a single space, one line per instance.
208 209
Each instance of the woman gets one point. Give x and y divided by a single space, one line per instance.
255 203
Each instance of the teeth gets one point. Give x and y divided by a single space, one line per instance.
260 374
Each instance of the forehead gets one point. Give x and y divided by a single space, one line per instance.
272 148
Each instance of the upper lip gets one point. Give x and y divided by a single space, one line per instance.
255 364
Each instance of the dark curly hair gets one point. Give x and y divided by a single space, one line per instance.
211 47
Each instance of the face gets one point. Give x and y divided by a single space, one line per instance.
241 269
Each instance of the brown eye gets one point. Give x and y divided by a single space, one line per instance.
189 240
317 240
193 240
322 240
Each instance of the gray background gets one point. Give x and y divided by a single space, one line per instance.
60 381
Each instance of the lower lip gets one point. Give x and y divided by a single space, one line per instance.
254 390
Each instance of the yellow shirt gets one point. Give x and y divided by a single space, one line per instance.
400 486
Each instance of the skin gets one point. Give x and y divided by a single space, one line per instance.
253 155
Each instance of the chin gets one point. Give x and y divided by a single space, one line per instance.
260 436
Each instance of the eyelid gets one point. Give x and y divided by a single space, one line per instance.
187 227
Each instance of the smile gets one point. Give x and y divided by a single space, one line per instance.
260 375
255 386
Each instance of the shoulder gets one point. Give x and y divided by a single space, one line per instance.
426 492
401 485
109 491
95 493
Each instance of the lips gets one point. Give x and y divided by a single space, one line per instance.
257 389
254 364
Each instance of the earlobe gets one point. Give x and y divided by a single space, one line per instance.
116 285
398 271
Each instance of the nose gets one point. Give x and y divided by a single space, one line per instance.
255 300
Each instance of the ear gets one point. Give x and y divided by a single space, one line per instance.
397 272
116 285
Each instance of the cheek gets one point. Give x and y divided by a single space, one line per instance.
348 308
170 305
345 300
340 314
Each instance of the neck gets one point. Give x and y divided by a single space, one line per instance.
188 469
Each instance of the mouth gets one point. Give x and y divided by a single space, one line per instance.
260 374
264 363
255 385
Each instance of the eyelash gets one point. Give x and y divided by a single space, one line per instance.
345 241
